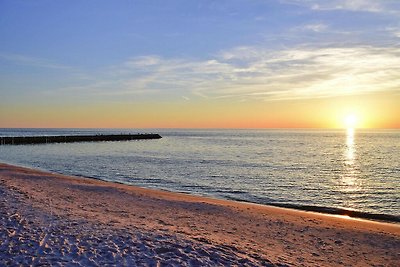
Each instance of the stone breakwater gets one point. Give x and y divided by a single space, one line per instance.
21 140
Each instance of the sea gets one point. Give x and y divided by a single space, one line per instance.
346 171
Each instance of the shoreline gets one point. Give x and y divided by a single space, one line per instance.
332 211
346 213
173 228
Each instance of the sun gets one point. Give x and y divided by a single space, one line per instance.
351 121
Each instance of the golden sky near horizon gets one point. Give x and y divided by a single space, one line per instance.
371 111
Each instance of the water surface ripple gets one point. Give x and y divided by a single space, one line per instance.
345 169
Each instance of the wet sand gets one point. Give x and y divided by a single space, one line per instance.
60 220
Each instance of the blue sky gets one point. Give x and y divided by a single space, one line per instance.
86 52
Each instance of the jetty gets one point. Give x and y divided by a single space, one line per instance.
22 140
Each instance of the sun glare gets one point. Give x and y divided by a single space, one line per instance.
351 121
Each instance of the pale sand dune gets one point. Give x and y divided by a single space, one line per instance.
55 219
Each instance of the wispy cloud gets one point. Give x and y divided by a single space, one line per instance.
354 5
351 5
393 31
246 73
309 72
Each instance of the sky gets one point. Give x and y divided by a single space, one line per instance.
200 64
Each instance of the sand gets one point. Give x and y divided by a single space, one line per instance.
53 219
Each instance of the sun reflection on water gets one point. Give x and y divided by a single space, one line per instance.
350 172
350 149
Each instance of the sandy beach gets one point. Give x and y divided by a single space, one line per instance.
52 219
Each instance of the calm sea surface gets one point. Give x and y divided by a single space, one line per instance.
355 170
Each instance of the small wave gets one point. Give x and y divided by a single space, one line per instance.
327 210
340 211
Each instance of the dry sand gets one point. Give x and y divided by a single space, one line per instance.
53 219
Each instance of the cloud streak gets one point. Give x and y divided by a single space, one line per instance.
253 73
351 5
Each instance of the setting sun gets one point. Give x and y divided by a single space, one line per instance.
351 121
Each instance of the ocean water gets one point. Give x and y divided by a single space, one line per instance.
357 170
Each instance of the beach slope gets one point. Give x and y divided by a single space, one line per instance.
54 219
